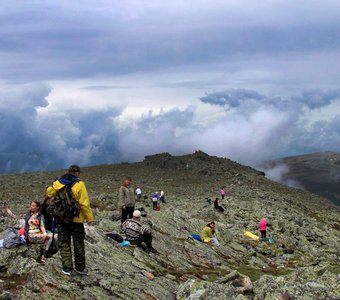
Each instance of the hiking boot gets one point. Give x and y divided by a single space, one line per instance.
151 249
83 272
66 272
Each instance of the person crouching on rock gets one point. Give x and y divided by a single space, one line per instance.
217 206
207 234
263 229
35 232
137 233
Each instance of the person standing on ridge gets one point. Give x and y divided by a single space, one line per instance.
263 229
155 197
222 192
161 198
126 199
74 229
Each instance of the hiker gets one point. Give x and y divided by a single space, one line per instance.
138 192
126 199
207 234
222 192
161 197
217 206
49 220
155 197
50 224
263 229
35 231
137 233
75 228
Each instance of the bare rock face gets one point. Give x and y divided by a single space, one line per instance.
302 262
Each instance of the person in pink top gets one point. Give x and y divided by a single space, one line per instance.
222 192
263 229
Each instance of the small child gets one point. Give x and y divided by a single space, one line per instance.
263 229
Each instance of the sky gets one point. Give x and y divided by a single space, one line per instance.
100 82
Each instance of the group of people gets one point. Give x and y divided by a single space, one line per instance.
128 197
41 227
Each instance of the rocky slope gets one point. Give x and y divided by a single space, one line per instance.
303 263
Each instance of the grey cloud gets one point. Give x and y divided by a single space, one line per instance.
317 98
232 98
249 132
51 141
67 41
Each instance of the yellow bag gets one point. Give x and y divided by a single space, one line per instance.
251 235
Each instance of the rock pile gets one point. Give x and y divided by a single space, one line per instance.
303 263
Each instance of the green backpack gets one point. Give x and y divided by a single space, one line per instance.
64 207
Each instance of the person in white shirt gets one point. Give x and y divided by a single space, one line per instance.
138 192
161 198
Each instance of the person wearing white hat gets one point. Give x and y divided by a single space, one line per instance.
137 233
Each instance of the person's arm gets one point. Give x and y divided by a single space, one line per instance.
121 198
8 211
42 226
84 201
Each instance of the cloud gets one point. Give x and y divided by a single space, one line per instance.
317 98
114 37
37 135
279 174
232 98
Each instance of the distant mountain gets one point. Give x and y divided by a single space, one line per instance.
318 173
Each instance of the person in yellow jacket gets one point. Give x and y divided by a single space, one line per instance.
75 229
208 234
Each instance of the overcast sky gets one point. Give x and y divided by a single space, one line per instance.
93 82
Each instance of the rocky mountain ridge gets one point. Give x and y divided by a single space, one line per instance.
303 263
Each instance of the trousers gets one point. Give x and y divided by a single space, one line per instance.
76 232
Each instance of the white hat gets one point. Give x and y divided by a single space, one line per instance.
137 214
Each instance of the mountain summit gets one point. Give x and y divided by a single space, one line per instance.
300 262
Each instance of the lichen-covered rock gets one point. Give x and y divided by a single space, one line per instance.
303 261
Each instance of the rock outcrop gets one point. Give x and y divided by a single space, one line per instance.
303 263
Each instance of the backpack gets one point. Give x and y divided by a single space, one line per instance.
12 238
64 207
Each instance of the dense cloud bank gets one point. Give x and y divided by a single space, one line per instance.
243 125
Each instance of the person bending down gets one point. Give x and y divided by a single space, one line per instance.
137 233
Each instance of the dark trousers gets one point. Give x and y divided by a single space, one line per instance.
146 238
162 199
263 234
154 205
76 231
127 213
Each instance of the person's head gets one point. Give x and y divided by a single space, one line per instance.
212 225
126 181
35 206
74 170
136 214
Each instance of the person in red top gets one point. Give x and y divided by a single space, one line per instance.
263 229
222 192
